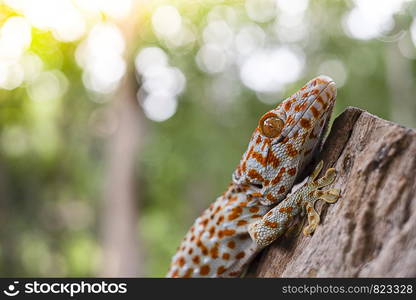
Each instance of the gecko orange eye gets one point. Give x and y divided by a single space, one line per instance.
271 126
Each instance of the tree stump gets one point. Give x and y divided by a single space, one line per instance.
371 230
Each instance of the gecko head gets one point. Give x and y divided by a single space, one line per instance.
286 138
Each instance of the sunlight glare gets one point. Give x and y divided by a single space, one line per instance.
100 55
48 86
11 75
218 33
270 70
166 21
212 59
292 7
60 16
15 37
150 57
249 38
371 19
159 106
261 10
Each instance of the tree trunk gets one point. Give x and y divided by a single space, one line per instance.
121 255
371 230
122 250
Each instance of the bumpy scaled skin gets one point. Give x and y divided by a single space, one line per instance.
255 210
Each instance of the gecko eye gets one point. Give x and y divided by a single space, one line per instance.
271 126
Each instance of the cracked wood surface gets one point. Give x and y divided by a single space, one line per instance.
371 230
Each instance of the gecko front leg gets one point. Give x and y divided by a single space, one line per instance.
279 219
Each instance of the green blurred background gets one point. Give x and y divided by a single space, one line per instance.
121 120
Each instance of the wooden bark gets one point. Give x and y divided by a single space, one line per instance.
371 230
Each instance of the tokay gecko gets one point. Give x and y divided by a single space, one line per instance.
257 208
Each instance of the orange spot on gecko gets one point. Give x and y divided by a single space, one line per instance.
229 232
255 175
291 172
204 249
204 270
243 166
204 222
240 255
188 273
265 143
300 107
231 244
295 135
214 251
271 224
226 256
291 151
181 261
315 112
221 270
242 223
272 160
324 105
282 190
286 209
257 156
305 123
258 140
211 231
271 198
196 260
236 212
278 177
254 209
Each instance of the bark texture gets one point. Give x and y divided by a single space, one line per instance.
371 230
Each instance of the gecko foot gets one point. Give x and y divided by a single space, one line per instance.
329 196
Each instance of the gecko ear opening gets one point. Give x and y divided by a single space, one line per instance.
271 126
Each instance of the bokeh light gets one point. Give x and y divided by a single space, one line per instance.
48 86
162 84
367 21
101 57
269 70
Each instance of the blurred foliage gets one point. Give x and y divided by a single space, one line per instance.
54 126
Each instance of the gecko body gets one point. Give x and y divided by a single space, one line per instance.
256 208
